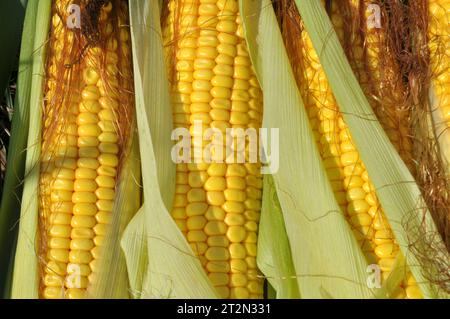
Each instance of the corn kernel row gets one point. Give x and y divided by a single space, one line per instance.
216 204
81 148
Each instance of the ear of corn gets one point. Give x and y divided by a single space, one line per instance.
397 198
352 186
199 233
82 150
301 175
217 203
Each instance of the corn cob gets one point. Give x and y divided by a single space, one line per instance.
380 77
349 178
89 82
216 204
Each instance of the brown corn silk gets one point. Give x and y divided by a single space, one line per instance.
439 50
424 55
350 181
217 205
87 118
367 45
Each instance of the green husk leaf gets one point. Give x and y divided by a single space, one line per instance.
172 270
325 253
12 190
397 191
25 277
112 280
441 130
274 257
134 246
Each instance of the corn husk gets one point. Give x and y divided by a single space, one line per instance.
160 262
441 130
274 252
25 274
327 260
12 189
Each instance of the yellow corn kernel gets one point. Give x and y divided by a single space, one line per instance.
108 160
86 233
413 292
218 266
88 209
101 229
237 251
83 197
236 234
84 185
105 193
83 221
234 219
195 209
215 227
196 195
58 255
233 207
53 292
196 222
197 179
215 183
386 250
80 256
81 244
59 243
62 231
215 213
217 254
196 235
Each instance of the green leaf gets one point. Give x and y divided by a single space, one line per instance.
441 130
327 259
274 252
25 276
134 245
12 190
397 191
173 270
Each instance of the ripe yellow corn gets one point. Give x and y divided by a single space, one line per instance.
82 143
349 178
216 204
